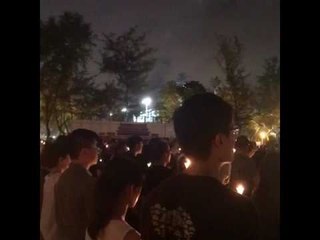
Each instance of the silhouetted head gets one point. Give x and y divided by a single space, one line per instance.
204 128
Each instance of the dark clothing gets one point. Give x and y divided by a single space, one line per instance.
197 207
258 157
74 202
154 176
244 171
139 159
267 197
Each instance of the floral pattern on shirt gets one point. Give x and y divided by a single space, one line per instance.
175 223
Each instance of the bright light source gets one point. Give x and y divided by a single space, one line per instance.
149 164
179 149
240 189
263 135
187 163
234 150
258 143
124 109
128 149
111 114
54 137
107 145
273 134
146 101
100 160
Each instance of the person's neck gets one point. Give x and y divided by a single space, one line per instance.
56 170
120 212
207 168
81 163
242 153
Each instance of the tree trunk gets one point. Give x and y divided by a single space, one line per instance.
48 129
60 126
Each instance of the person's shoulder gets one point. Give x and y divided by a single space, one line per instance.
166 186
241 206
132 235
237 199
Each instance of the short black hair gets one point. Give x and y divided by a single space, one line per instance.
53 151
199 119
118 174
156 149
81 138
242 142
134 140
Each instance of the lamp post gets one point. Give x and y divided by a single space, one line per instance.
125 111
146 101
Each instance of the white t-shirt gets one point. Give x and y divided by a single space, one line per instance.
48 224
115 230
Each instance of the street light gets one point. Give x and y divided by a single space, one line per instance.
146 101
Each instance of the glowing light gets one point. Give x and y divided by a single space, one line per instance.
146 101
179 149
273 134
240 189
127 148
234 150
100 160
149 164
111 114
187 163
107 145
263 135
124 109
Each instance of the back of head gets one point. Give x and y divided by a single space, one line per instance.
120 148
53 151
242 142
157 149
81 138
133 141
117 175
198 121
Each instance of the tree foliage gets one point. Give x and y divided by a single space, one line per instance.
65 47
129 58
233 86
174 93
268 97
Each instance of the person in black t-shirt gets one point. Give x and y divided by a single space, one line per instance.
195 204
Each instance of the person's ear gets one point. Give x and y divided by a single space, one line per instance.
218 140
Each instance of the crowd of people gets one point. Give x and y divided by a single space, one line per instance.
137 189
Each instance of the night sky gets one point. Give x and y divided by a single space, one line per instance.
184 31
